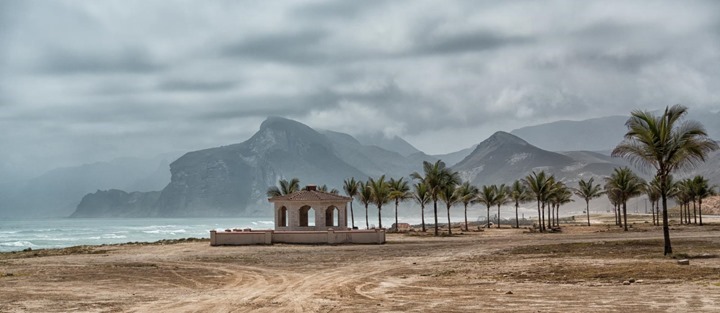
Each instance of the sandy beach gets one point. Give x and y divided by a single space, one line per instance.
581 269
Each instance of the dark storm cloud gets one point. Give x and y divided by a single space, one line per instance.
122 61
196 85
153 76
297 47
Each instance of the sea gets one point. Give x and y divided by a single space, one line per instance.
17 235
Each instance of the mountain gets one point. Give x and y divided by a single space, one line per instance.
597 134
593 134
232 180
58 192
394 143
453 158
504 158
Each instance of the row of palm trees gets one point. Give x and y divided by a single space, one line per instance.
662 143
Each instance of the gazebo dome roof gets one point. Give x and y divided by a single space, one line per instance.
310 195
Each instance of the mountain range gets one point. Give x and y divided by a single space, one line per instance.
232 180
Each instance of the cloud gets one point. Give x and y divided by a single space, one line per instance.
95 80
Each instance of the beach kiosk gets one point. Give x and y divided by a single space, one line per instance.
308 216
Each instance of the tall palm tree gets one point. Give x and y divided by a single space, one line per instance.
380 194
703 191
449 195
422 197
519 194
502 197
627 185
365 196
486 196
588 191
399 191
467 194
350 186
437 175
664 143
285 188
539 185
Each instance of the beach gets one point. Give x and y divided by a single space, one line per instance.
588 269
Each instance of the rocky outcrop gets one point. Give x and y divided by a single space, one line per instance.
117 203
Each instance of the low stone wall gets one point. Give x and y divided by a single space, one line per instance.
266 237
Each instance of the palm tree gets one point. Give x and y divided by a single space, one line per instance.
486 196
380 194
682 197
467 194
518 194
561 194
366 197
399 191
449 195
665 144
703 190
436 176
324 188
350 186
614 198
422 197
502 197
286 188
627 185
539 185
588 191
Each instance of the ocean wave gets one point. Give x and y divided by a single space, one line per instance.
17 244
165 231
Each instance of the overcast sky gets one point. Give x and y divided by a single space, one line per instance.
84 81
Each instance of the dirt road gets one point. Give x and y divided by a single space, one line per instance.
580 269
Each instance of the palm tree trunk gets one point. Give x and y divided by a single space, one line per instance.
652 210
498 225
694 212
557 216
367 222
700 210
449 225
422 216
435 214
380 216
466 225
587 209
666 226
396 219
488 216
687 213
551 213
625 215
517 221
352 215
543 216
619 212
539 219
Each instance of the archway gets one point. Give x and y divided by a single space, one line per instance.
307 216
283 217
332 216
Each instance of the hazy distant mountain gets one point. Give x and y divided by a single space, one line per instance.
394 143
232 180
57 192
503 158
710 169
597 134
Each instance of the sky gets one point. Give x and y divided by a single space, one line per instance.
84 81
